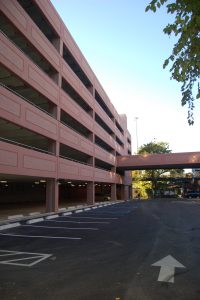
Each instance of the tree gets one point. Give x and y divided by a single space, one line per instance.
141 189
185 57
153 184
155 147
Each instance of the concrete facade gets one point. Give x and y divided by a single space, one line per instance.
159 161
57 124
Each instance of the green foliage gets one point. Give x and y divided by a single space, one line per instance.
149 188
154 147
141 188
185 57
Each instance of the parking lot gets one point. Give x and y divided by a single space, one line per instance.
111 251
71 225
39 250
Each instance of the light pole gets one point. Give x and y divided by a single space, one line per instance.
136 132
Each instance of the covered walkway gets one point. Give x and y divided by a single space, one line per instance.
159 161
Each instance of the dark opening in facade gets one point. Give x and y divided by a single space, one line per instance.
103 124
119 127
71 61
74 155
25 46
69 121
14 134
103 144
102 165
103 105
22 89
41 21
75 96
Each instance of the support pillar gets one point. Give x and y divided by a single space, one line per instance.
51 195
126 192
113 191
130 192
90 193
53 110
90 161
122 192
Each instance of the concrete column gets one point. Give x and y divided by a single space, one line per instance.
113 191
92 114
55 77
61 48
126 192
91 90
113 135
52 147
91 137
52 195
130 192
114 153
53 110
90 161
121 192
57 43
90 193
59 80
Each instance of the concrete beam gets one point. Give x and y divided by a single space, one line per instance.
159 161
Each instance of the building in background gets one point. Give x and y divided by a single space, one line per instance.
59 132
196 172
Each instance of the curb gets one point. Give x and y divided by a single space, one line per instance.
31 218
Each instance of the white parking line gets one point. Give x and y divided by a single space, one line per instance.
107 213
16 258
42 236
67 214
7 226
78 222
34 220
93 218
34 213
52 217
15 217
58 227
62 209
78 211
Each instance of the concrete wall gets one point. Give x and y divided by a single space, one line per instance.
17 160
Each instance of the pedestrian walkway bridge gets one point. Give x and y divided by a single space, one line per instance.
159 161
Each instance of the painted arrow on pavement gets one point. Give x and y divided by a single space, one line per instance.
167 270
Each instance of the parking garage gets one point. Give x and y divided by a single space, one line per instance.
23 195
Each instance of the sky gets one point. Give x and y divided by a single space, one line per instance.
126 48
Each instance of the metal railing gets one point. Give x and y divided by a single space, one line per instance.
77 161
25 99
25 146
29 57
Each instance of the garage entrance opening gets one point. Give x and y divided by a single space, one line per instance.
21 196
72 193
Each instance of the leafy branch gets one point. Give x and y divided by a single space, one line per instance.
185 57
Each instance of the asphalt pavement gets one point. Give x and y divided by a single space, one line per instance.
145 250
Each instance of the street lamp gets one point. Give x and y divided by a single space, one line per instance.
136 132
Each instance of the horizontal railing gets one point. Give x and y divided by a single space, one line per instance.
25 146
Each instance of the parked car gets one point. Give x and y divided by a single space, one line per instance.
192 194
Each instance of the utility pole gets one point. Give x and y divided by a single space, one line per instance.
136 132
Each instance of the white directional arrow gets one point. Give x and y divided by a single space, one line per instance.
167 270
